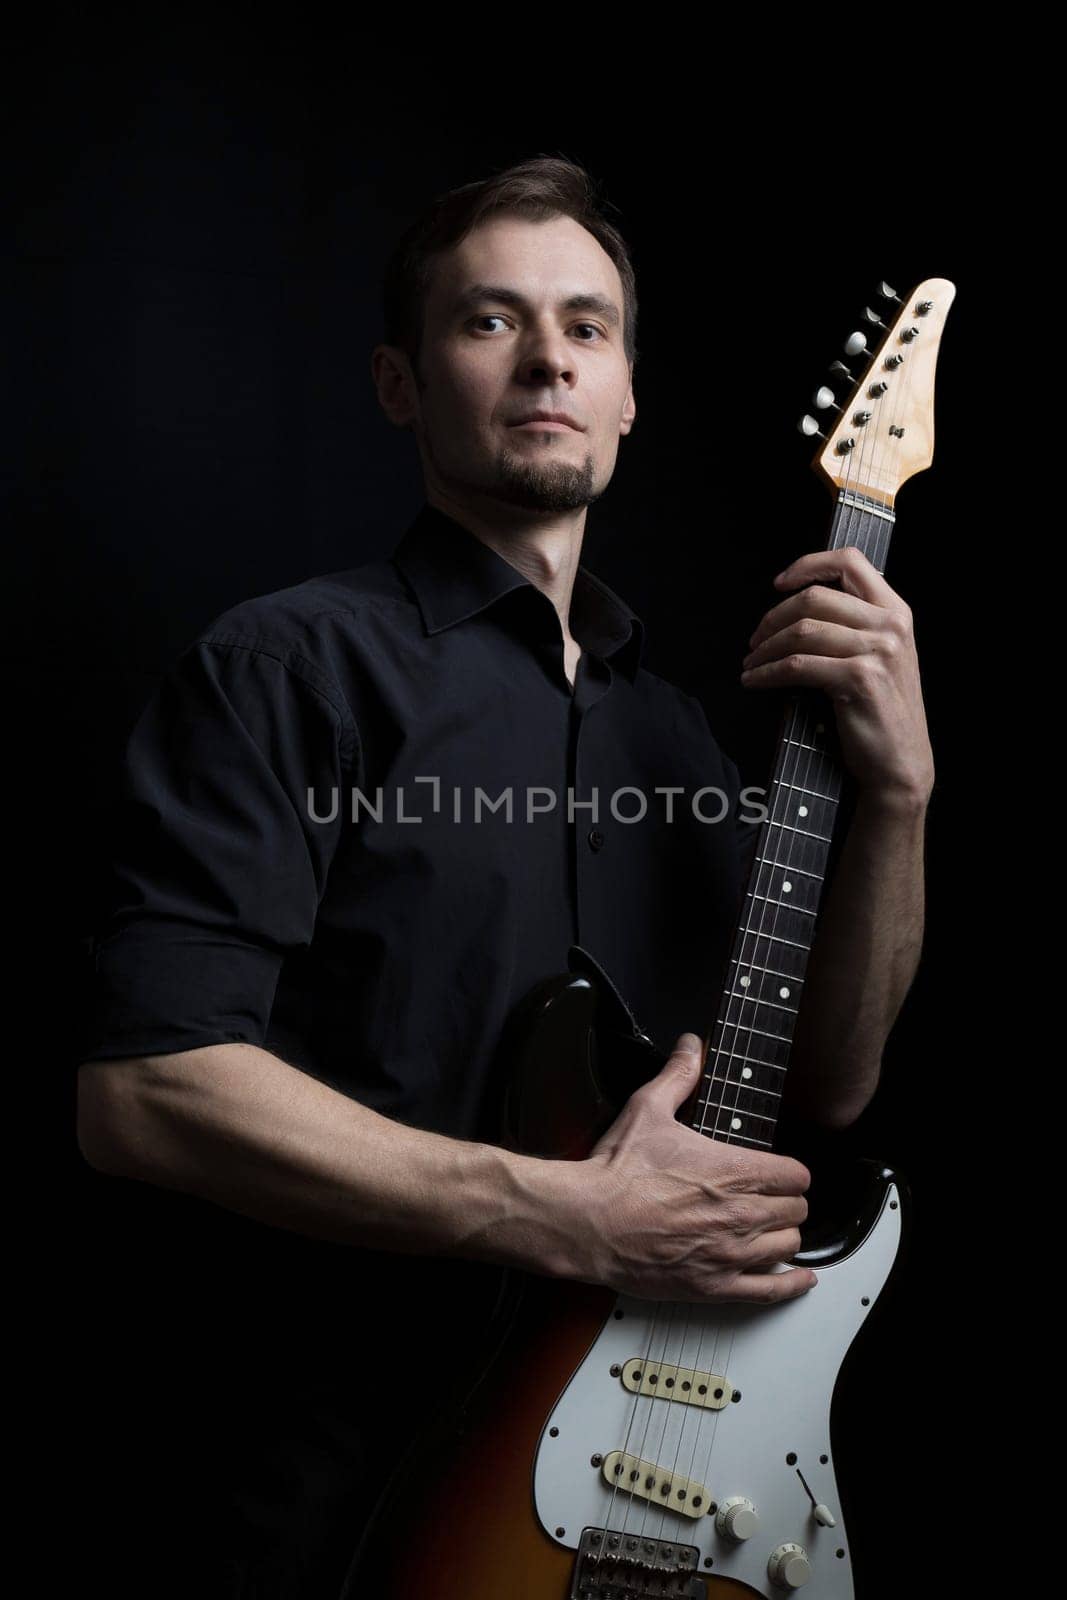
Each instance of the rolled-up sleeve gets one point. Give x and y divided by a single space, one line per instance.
221 850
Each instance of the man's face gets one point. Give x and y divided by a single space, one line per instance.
500 341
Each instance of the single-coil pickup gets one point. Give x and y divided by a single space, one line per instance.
649 1482
692 1388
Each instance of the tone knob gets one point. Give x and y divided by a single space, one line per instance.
737 1518
789 1567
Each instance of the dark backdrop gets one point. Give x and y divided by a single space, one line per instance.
200 228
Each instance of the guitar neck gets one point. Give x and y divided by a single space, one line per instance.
748 1055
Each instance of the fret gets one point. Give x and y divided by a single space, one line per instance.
757 1061
789 922
761 933
765 1144
811 793
733 1111
758 1000
771 971
790 866
787 827
786 905
799 743
749 1088
759 1032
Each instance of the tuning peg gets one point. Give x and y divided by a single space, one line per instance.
872 316
886 293
839 370
856 345
809 428
824 397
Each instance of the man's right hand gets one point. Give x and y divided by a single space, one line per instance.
666 1213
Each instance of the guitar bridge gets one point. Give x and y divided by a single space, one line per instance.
623 1566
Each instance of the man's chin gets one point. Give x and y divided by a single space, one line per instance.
559 487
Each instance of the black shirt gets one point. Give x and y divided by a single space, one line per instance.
242 1368
426 694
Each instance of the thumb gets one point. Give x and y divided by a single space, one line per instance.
681 1070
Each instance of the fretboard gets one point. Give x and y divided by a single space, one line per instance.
748 1054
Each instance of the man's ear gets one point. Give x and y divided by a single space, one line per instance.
629 410
395 383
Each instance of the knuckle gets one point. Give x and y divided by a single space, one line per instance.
736 1219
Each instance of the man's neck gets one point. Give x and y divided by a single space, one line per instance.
545 549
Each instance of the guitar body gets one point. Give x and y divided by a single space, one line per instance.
577 1389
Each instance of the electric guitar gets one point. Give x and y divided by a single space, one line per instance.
615 1448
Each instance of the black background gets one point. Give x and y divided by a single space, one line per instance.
200 227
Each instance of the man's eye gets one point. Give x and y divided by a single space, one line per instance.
496 316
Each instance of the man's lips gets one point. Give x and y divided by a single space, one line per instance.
545 425
547 419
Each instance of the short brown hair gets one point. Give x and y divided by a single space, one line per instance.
539 189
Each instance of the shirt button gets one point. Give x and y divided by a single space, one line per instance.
596 838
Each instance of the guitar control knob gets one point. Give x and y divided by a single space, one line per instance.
789 1567
737 1518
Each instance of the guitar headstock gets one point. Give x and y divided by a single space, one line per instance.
884 428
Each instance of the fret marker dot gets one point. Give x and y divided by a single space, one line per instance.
746 1072
787 887
735 1123
745 982
783 994
802 811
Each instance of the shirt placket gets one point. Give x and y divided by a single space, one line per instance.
587 833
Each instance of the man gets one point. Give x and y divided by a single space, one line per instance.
321 929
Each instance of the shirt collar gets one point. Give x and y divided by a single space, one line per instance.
455 575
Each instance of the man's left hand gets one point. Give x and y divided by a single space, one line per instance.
857 645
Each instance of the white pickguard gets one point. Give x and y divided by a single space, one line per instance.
784 1359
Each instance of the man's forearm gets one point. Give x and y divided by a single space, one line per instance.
236 1125
863 961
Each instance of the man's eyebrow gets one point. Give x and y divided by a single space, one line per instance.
479 292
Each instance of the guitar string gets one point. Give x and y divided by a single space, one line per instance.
841 535
647 1506
726 1059
807 787
650 1408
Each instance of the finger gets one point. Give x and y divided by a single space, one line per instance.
839 677
770 1248
787 1211
847 566
831 605
680 1073
766 1288
770 1175
819 639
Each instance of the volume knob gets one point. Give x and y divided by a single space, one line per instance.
737 1518
789 1567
